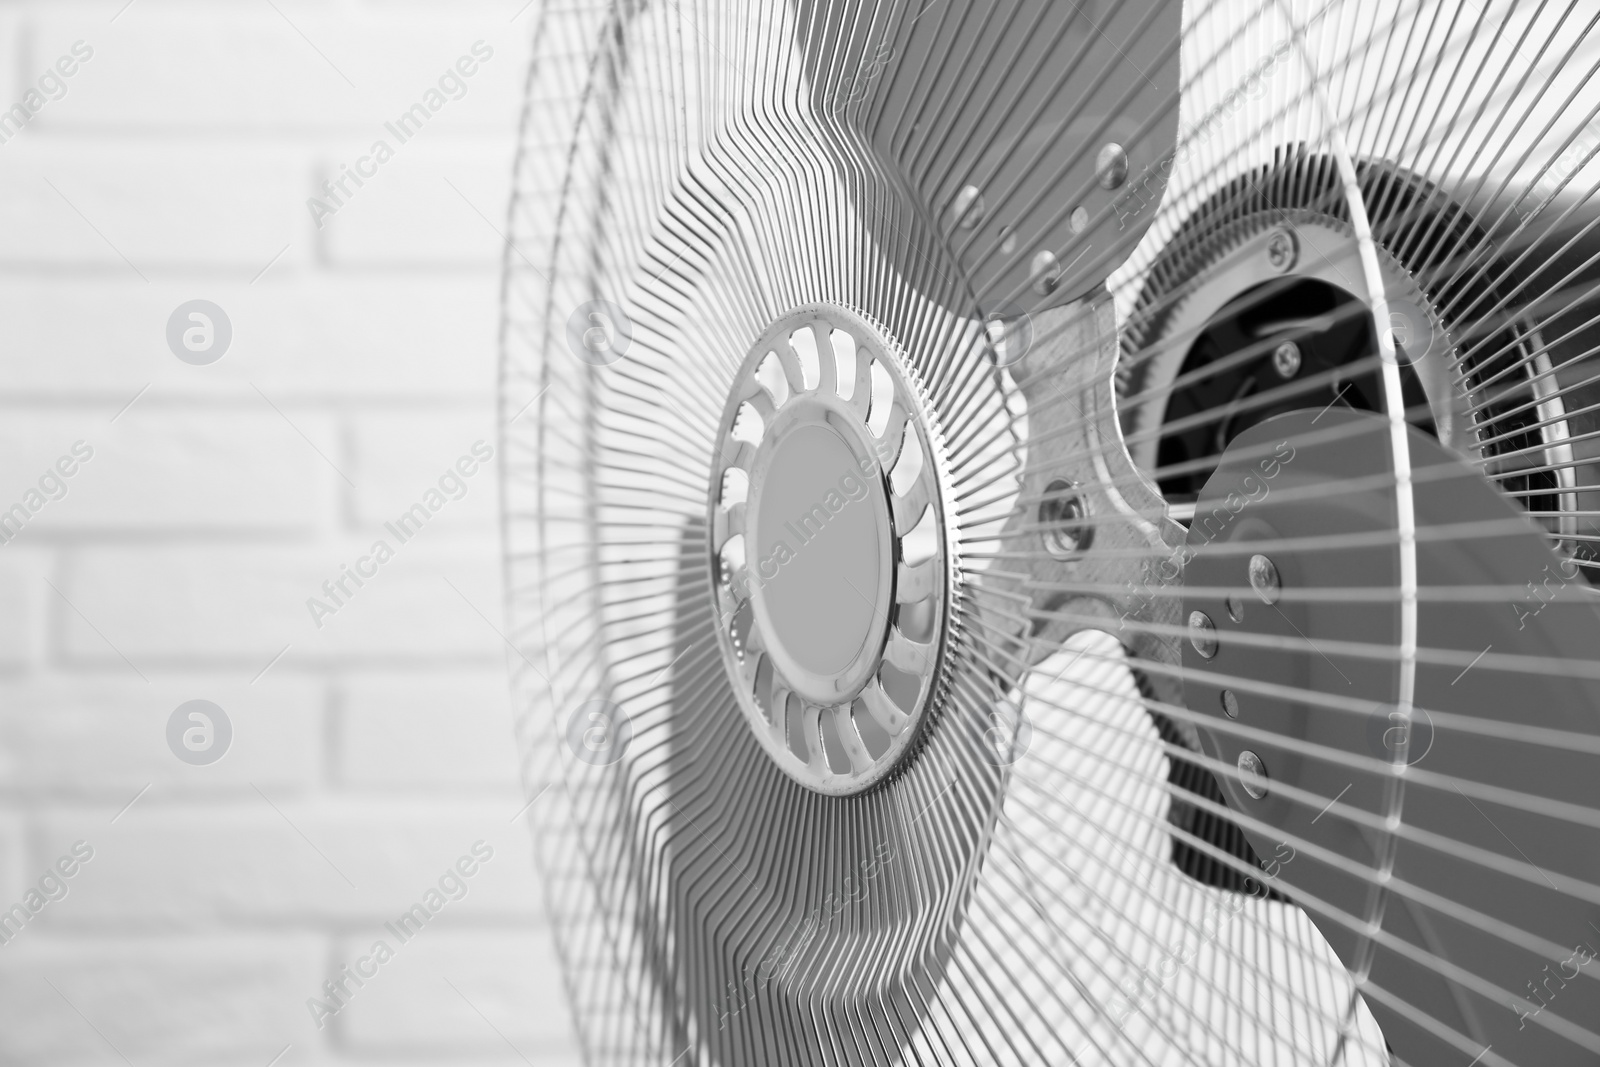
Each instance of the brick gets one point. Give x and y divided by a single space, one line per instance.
72 841
162 206
504 1057
31 64
107 739
223 999
13 50
238 68
165 468
296 336
192 141
20 623
398 457
14 868
513 980
434 203
246 862
444 732
244 605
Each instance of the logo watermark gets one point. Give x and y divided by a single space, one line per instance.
52 86
1411 330
1534 600
52 486
1009 735
1561 169
337 193
1582 956
1141 597
52 886
772 964
599 332
1387 730
451 886
452 485
1137 991
199 732
599 732
199 332
1009 330
855 89
807 526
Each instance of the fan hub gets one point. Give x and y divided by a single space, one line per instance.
824 558
830 552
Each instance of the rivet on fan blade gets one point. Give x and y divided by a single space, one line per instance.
1046 271
1062 513
1230 703
1264 579
598 732
1202 634
1282 250
1235 608
1252 774
598 332
1112 166
1286 359
1080 219
967 211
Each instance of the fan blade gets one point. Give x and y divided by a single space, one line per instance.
1040 157
1467 826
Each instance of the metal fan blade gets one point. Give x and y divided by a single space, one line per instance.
1468 823
1043 164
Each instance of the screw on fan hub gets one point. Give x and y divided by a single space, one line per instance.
1286 359
1064 518
1250 312
830 553
1264 306
1283 248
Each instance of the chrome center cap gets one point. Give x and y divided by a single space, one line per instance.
830 551
824 546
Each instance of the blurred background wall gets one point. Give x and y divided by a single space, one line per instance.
371 747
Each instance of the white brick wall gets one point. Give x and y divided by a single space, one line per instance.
377 749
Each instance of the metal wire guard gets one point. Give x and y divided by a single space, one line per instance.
1007 894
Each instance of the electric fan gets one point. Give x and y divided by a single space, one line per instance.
1061 532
